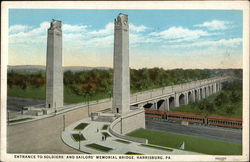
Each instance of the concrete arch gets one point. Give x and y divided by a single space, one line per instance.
196 95
202 93
190 97
171 102
160 105
182 99
148 105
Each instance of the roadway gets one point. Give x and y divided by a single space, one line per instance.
217 133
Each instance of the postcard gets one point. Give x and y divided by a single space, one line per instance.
125 81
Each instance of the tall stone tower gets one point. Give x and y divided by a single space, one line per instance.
121 89
54 70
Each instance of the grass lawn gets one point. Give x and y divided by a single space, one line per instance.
132 153
76 137
105 127
39 93
122 141
157 147
81 126
29 92
99 147
195 144
19 120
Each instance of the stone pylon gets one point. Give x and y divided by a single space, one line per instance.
54 69
121 89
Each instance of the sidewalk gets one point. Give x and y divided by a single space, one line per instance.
93 137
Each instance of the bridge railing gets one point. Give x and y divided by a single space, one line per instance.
174 89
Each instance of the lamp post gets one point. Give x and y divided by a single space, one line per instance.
79 141
87 95
63 122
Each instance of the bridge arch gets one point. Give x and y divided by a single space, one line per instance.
182 99
160 104
196 95
201 93
190 97
148 105
171 102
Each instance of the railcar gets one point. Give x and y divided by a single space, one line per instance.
224 121
216 120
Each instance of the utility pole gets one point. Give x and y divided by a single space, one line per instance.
63 122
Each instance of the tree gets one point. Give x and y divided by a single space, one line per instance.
206 105
221 99
235 97
229 109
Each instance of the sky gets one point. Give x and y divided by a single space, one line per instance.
167 39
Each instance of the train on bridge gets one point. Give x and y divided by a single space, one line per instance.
215 120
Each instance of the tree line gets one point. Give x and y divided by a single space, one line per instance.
226 99
101 81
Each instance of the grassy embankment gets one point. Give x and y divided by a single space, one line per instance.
194 144
39 93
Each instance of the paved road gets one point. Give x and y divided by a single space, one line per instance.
224 134
44 136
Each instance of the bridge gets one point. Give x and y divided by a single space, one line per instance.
175 96
47 132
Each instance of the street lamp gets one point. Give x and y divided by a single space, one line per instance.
63 122
87 95
79 140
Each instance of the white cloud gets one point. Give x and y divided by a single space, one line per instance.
137 29
229 43
109 28
73 28
215 25
136 39
179 34
19 28
105 41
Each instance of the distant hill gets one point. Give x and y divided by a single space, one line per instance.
33 68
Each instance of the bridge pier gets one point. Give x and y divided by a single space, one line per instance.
186 98
155 105
167 104
193 95
176 101
214 89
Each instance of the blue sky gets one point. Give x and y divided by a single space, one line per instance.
158 38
